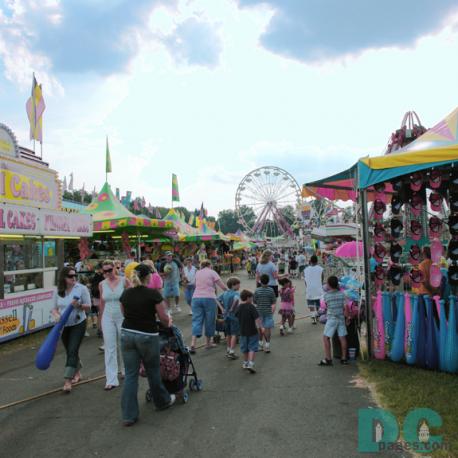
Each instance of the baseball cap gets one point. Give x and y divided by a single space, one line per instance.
417 277
395 274
435 199
414 254
453 250
453 224
453 275
416 181
396 228
379 232
435 226
454 202
416 204
415 229
379 252
396 204
168 253
435 179
379 208
395 252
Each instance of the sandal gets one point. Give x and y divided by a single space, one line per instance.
76 379
67 389
210 346
325 362
344 362
109 387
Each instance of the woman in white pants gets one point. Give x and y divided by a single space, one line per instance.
111 290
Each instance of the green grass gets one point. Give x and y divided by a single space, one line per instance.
400 388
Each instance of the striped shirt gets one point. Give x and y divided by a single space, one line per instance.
264 298
335 302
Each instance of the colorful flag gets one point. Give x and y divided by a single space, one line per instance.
202 211
107 159
175 192
35 107
158 213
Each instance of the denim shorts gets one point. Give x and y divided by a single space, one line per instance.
232 326
171 290
249 343
334 324
267 320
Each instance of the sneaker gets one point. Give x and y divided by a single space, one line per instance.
261 345
231 355
290 330
282 331
245 365
173 398
86 334
102 348
178 309
267 349
251 367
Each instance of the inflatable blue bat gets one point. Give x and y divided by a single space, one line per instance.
47 350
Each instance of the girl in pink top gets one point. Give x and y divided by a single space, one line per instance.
156 280
204 304
286 305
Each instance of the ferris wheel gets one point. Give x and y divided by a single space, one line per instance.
267 202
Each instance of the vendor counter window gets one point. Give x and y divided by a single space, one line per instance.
24 261
22 254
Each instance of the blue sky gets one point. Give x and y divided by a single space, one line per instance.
210 89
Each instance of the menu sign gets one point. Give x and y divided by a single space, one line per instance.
15 219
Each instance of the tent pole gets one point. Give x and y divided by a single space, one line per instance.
367 279
138 248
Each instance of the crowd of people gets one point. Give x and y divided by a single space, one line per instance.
126 301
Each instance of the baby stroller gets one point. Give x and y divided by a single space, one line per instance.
176 365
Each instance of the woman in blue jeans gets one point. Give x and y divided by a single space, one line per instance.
140 342
204 304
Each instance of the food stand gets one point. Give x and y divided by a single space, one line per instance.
32 231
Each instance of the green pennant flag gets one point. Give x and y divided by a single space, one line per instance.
175 192
108 160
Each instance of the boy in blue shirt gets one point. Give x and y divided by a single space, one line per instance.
230 301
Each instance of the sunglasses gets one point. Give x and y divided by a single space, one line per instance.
71 276
107 271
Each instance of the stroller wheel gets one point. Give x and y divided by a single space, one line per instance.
148 396
199 385
185 396
192 385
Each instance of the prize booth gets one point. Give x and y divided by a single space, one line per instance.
32 231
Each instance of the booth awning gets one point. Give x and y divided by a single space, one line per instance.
109 215
436 147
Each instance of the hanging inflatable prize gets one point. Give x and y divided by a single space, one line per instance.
395 252
395 274
435 199
453 250
416 204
